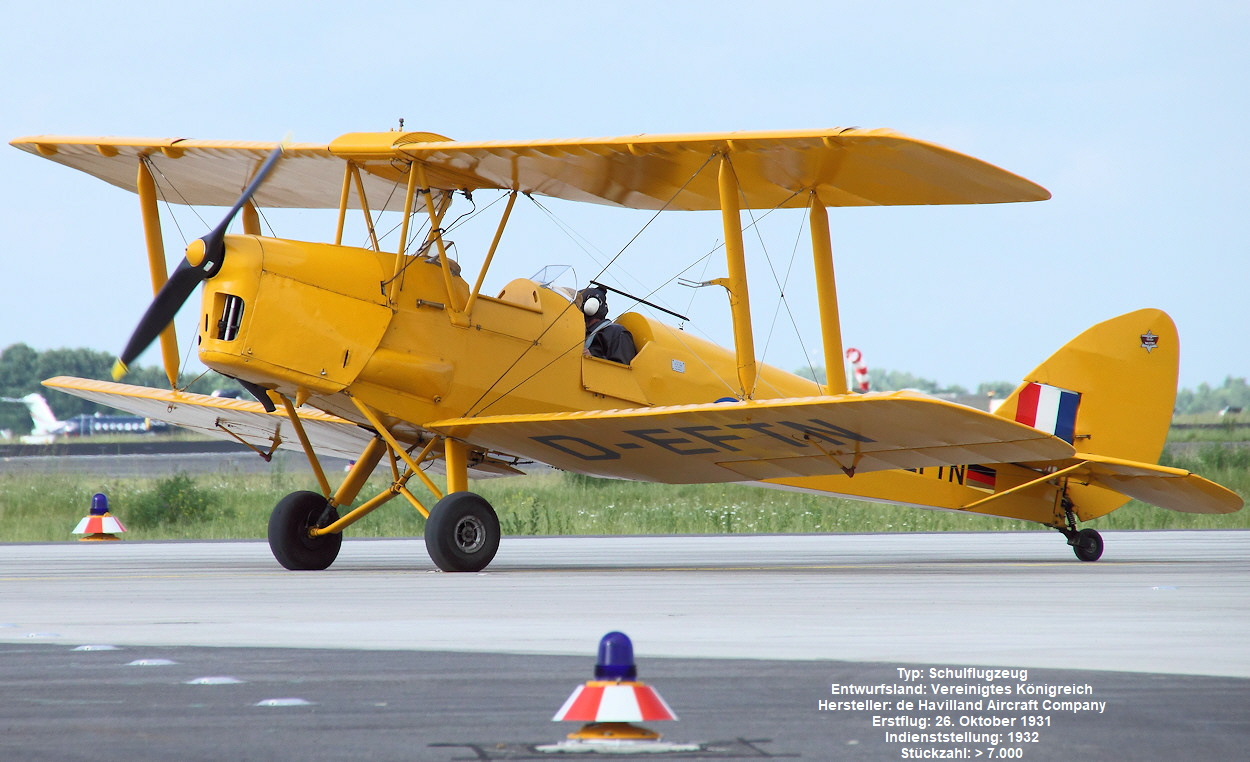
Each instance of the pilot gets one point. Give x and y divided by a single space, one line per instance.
604 338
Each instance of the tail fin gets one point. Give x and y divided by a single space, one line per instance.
41 415
1124 371
1110 392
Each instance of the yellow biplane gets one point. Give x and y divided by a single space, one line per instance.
392 356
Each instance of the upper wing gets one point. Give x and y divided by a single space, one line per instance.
215 172
207 172
749 441
845 167
241 420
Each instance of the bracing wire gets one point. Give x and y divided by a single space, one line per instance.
160 190
782 301
781 283
429 239
587 247
373 223
469 412
705 258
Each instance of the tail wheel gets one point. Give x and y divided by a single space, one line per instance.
1087 544
289 540
462 533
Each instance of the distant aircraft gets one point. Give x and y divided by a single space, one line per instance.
47 427
90 425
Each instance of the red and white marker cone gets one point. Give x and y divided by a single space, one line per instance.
613 700
99 524
603 701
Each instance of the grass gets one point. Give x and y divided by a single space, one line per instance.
1210 427
45 508
1217 433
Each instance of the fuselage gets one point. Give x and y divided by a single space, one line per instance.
321 322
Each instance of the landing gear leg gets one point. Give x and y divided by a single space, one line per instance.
1087 543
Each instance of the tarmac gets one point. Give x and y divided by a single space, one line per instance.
1143 655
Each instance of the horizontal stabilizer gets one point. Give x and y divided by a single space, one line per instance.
754 440
1173 488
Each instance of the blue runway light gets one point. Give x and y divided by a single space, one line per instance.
616 658
99 504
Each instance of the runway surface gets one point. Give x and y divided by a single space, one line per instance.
744 635
1157 602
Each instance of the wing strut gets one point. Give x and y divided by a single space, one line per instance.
736 284
827 296
146 186
456 311
490 255
1021 487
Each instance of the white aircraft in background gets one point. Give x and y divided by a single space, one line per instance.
46 426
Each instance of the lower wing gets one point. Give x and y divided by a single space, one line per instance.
243 420
769 439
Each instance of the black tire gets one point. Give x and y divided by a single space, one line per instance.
462 533
289 523
1088 545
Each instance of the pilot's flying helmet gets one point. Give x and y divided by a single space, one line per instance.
593 301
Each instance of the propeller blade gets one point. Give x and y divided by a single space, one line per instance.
214 248
160 312
204 258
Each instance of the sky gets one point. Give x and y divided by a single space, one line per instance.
1132 114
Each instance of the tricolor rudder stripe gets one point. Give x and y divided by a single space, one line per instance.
1050 409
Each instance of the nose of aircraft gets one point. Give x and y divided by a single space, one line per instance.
202 261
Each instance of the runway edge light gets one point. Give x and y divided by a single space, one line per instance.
99 524
611 702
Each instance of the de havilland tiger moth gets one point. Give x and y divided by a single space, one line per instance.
391 355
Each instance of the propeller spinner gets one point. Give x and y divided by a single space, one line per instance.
202 261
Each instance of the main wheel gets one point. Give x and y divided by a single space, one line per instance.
462 532
289 523
1088 545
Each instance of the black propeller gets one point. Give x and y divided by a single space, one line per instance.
202 261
